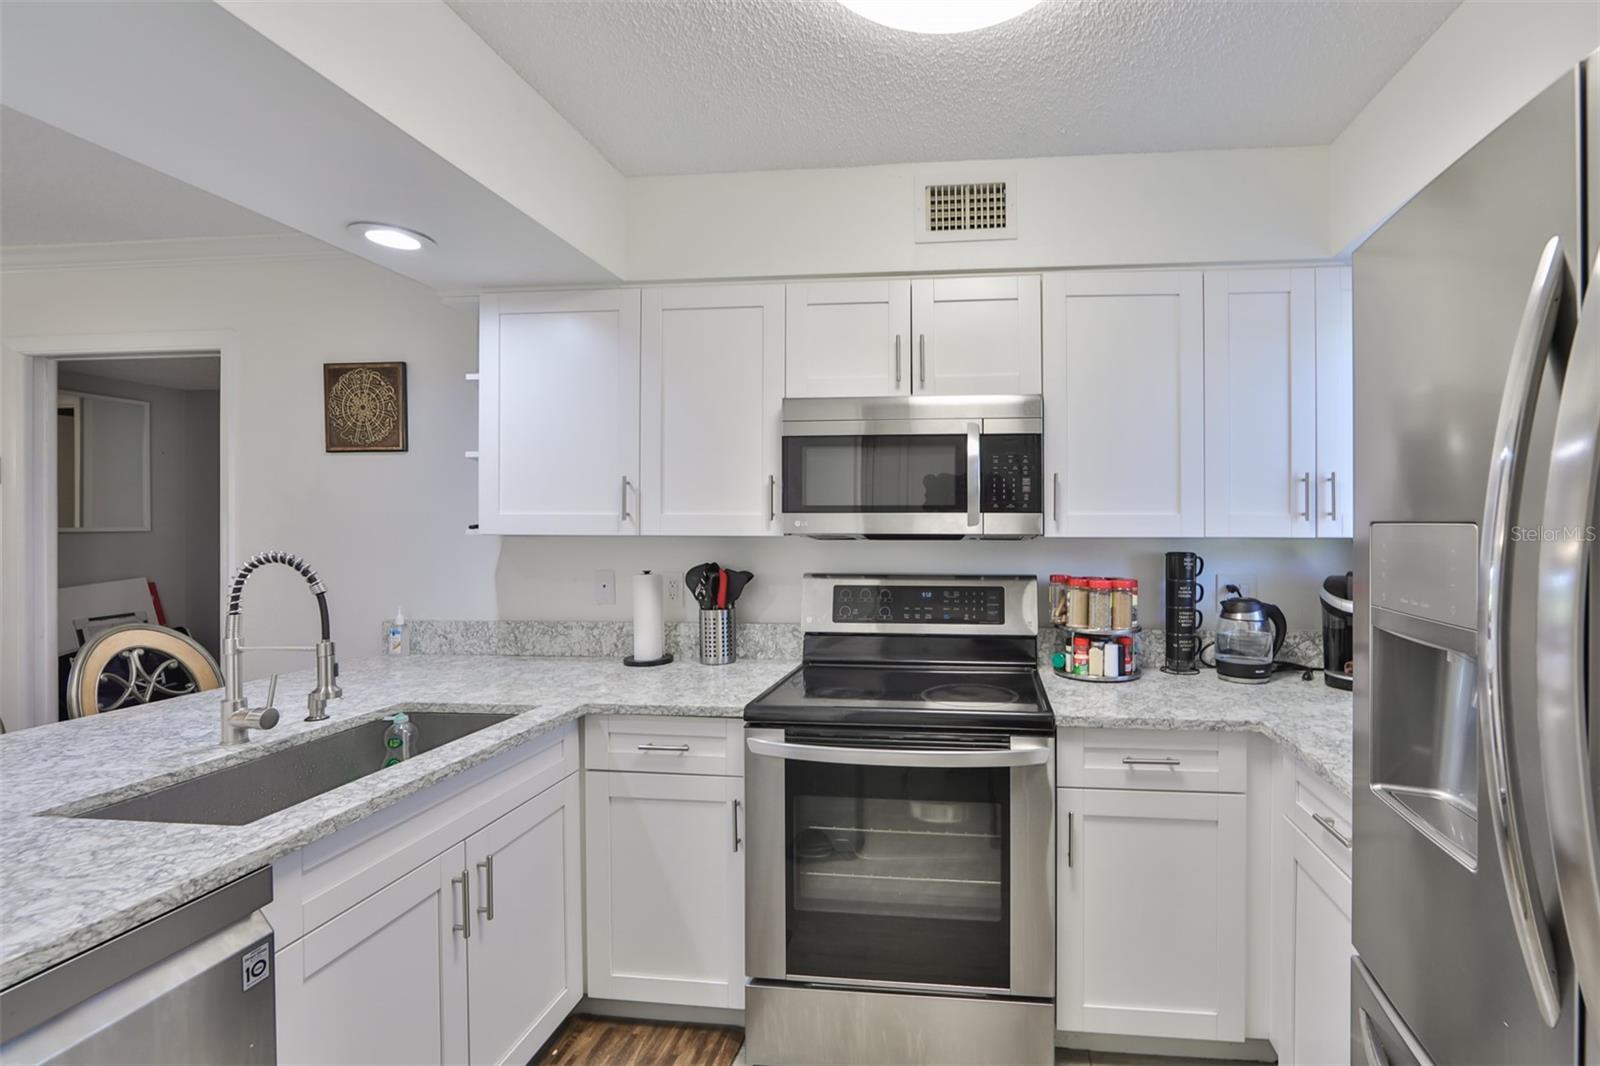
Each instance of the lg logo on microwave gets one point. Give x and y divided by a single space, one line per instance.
1550 534
799 523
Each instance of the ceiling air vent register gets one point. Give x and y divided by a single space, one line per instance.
965 203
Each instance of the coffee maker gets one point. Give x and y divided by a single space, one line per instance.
1338 632
1250 633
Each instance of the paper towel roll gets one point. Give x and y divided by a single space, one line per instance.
649 629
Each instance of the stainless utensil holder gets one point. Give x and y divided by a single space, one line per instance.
716 637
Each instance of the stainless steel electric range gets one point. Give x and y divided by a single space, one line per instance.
899 871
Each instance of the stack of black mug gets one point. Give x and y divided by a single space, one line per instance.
1184 593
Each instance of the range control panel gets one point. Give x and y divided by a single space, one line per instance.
922 604
1011 464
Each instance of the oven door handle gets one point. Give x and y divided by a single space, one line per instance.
1030 755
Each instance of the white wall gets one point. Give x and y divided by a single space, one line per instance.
180 551
1109 210
382 529
553 577
1488 59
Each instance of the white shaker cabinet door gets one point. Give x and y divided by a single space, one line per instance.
712 395
976 336
1151 892
665 888
386 981
848 338
1312 951
1124 395
1335 495
525 960
1261 403
558 413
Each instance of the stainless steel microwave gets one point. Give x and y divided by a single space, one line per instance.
913 466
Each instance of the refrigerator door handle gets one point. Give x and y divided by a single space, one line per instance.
1565 561
1529 355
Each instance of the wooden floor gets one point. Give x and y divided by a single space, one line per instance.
590 1041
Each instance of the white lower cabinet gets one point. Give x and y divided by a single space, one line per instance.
475 955
1311 1023
525 956
1151 899
665 890
384 982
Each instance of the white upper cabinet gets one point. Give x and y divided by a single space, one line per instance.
976 336
712 391
1335 405
849 338
1124 370
1261 403
558 412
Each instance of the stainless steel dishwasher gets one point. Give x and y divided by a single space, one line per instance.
192 986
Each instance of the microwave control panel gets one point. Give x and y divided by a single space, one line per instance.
1011 473
935 604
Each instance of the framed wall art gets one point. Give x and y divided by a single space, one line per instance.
364 406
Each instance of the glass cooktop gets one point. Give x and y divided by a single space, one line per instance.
903 695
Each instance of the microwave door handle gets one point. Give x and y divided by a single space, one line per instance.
1565 570
1022 753
974 473
1529 355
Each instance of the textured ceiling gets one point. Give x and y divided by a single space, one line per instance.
699 86
59 189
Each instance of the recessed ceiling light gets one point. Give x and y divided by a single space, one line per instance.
938 16
396 237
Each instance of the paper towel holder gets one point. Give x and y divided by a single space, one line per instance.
628 660
653 582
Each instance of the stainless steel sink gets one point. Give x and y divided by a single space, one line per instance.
241 793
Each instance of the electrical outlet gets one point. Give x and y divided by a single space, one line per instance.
1246 583
674 591
605 586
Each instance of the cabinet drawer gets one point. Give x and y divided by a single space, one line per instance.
661 745
1318 810
1152 759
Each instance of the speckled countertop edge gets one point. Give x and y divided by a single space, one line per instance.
67 884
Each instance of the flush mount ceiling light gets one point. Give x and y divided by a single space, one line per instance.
938 16
396 237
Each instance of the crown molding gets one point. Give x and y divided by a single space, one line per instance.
278 247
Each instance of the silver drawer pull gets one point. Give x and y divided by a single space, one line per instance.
1166 760
676 749
1333 830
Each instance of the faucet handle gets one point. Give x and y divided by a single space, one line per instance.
272 693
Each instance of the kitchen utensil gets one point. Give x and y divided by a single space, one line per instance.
722 589
737 580
699 580
1250 633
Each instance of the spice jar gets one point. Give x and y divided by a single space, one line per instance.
1122 603
1078 602
1099 603
1059 610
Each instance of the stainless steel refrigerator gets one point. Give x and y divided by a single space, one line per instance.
1477 652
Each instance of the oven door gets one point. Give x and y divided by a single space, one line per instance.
884 858
896 477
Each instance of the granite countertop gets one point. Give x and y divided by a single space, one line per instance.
67 884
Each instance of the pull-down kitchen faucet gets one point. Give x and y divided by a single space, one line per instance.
237 717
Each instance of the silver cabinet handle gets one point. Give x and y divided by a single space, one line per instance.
922 359
1333 830
1069 840
1305 490
772 498
465 928
1333 495
897 360
675 749
1166 760
974 473
486 870
1030 754
1055 500
1529 354
1565 565
736 840
625 497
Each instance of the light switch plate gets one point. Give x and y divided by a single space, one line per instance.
605 586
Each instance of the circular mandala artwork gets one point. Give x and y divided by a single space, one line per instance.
363 408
